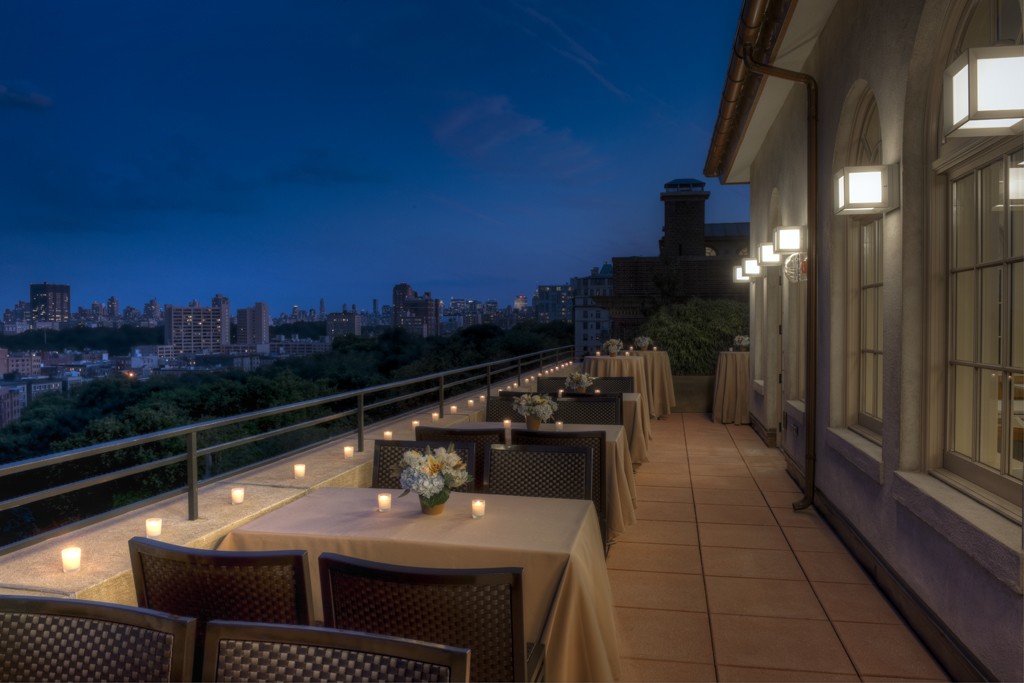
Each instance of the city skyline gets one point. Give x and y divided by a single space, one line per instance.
286 152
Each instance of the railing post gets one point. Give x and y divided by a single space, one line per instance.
193 478
440 396
359 423
488 382
519 366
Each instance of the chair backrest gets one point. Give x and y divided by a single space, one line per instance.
265 586
614 385
479 609
387 458
500 408
247 652
543 471
481 438
550 385
593 440
594 410
61 639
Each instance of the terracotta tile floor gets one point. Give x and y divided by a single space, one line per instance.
721 580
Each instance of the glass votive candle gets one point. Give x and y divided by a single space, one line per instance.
479 508
383 502
154 526
435 416
507 424
237 495
388 435
560 392
597 353
655 348
349 451
470 403
300 471
71 558
483 398
597 391
415 424
453 409
558 425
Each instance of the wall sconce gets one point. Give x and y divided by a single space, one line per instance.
766 255
737 276
981 93
751 268
865 189
788 239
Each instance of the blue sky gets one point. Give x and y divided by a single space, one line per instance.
288 151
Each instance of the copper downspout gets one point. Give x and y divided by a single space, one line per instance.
812 269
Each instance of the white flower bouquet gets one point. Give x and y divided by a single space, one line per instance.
432 474
578 381
642 342
536 405
612 345
741 341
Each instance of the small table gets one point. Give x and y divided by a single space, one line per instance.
732 386
659 381
566 592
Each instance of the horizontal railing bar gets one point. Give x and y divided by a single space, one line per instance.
227 445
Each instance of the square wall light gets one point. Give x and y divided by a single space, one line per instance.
982 93
788 239
738 275
865 189
751 268
766 255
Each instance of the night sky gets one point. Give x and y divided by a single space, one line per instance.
288 151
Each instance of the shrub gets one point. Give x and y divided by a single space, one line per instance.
694 332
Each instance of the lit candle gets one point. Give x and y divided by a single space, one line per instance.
479 508
470 403
508 387
72 559
349 451
237 495
655 348
415 424
483 398
435 416
453 409
597 391
558 425
508 431
515 385
383 502
300 471
630 348
597 353
560 392
388 435
154 525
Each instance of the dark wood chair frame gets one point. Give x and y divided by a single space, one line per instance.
481 437
569 408
530 454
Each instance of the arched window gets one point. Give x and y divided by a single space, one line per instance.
710 251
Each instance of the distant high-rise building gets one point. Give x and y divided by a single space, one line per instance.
51 304
151 310
323 308
419 315
345 323
113 308
254 325
520 303
553 303
196 329
592 324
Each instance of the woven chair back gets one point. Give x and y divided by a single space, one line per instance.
387 459
542 471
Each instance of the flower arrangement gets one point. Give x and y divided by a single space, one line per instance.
612 345
432 474
741 341
536 405
642 342
578 381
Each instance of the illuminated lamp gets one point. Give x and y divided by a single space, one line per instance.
751 268
738 275
865 189
982 93
766 255
788 239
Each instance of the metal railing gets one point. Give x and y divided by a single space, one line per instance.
400 396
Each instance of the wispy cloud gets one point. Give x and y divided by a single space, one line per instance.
23 95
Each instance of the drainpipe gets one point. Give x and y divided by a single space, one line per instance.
810 407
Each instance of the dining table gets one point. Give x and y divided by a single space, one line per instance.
618 465
732 387
568 603
658 367
624 366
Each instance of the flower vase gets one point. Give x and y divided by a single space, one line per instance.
532 422
431 509
613 354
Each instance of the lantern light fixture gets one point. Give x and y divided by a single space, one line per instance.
767 256
859 190
981 92
751 268
738 275
788 239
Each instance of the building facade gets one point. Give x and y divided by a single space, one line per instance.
253 325
50 305
893 376
345 323
418 315
553 303
196 330
591 323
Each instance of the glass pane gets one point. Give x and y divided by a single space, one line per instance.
878 386
1016 196
965 232
993 212
869 331
1017 317
869 254
867 383
991 419
991 321
964 309
962 438
1017 427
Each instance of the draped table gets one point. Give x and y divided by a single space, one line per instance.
659 381
567 594
732 386
624 366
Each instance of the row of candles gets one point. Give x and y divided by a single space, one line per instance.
71 557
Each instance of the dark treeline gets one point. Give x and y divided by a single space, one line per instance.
108 409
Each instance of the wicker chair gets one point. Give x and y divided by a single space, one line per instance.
267 586
481 438
607 385
595 442
500 408
247 652
60 639
387 456
593 410
543 471
480 609
550 385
